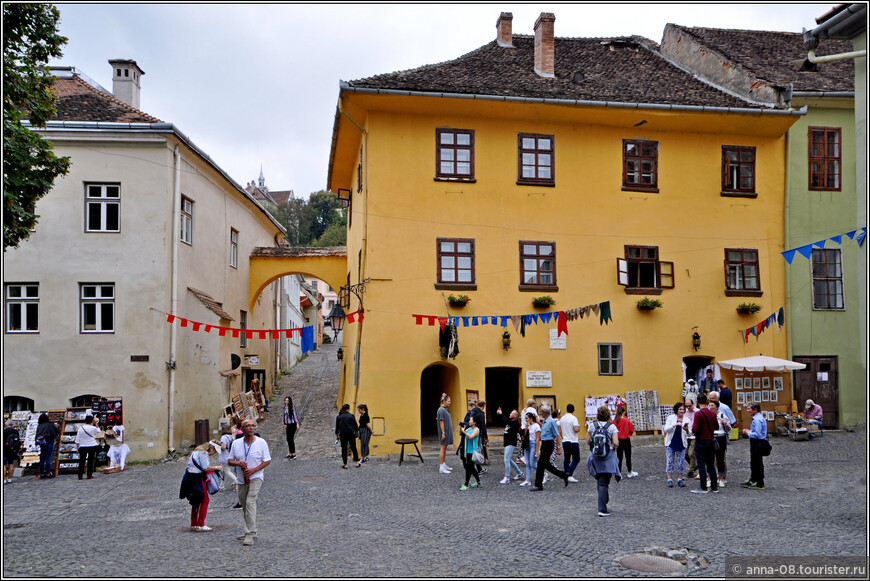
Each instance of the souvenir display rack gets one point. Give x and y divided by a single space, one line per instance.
643 410
68 455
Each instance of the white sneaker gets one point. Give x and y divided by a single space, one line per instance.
449 469
204 529
722 483
572 479
443 469
525 483
504 481
632 474
518 476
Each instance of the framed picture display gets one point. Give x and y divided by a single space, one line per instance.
765 395
774 397
471 397
740 398
777 383
765 382
738 383
756 383
757 396
769 416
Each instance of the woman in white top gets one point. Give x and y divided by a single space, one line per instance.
723 428
87 445
194 486
676 444
530 445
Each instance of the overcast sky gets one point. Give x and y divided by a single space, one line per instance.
257 84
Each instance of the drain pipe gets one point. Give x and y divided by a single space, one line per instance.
173 330
811 56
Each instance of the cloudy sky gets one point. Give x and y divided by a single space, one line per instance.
257 84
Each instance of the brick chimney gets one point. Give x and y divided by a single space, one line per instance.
504 34
544 60
126 76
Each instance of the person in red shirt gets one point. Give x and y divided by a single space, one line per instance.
703 426
626 431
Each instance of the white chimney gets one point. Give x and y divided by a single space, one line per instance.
126 76
544 59
504 34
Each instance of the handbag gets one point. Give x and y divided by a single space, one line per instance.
212 480
477 457
764 447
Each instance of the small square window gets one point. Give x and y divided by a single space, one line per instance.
610 359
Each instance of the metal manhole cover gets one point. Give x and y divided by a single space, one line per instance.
651 564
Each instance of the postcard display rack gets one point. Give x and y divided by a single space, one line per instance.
109 411
246 406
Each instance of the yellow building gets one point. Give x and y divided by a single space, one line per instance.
587 170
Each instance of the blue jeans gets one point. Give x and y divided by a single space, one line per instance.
45 458
816 422
572 456
603 491
531 461
509 461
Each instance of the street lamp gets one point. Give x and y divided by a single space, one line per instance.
336 319
696 339
506 341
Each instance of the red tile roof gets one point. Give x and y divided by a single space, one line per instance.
626 70
771 55
77 100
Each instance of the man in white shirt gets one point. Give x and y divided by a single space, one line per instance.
250 456
569 426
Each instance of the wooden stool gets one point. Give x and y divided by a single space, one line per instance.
402 453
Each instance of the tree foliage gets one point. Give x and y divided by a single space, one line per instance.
317 221
30 39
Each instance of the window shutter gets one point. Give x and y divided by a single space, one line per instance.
666 274
726 170
621 272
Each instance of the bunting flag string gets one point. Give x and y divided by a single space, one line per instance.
560 318
807 250
777 318
222 331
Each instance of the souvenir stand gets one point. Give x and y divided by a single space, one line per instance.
247 405
762 380
641 407
68 455
110 414
25 423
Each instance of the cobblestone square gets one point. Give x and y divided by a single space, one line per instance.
382 519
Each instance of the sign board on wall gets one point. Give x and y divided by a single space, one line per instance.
557 342
539 379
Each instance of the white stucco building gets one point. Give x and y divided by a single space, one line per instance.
144 224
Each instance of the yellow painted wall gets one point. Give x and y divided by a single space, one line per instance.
589 218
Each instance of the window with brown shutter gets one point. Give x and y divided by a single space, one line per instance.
641 271
738 171
825 158
640 165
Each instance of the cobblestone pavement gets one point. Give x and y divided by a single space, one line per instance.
316 519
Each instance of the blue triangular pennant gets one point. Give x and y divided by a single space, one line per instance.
527 319
820 243
861 236
806 251
789 255
545 317
851 234
465 321
504 321
473 321
535 319
838 239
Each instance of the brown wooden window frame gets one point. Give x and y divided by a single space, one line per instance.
827 278
823 160
641 146
728 187
536 151
454 147
740 266
456 254
538 258
663 271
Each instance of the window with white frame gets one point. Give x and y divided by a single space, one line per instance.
186 221
102 208
234 248
22 308
97 307
610 359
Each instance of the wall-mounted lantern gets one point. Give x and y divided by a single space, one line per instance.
336 319
340 354
506 341
696 339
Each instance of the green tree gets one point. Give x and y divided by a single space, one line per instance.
318 221
336 233
30 39
292 215
323 212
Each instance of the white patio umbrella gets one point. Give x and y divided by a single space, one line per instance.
761 363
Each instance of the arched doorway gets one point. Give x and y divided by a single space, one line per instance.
436 380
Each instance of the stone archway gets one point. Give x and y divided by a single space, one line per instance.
268 264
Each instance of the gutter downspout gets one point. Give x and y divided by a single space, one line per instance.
173 331
364 248
811 56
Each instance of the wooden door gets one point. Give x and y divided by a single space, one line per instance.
820 383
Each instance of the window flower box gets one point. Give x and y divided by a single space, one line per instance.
458 301
544 302
648 304
748 308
